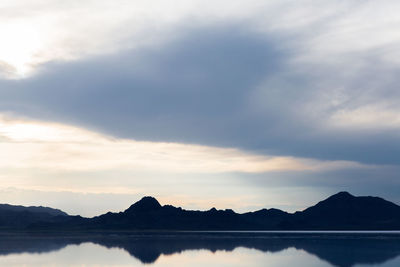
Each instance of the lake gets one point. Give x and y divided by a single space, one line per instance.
202 249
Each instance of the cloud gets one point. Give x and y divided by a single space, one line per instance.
55 147
42 31
194 87
291 79
224 86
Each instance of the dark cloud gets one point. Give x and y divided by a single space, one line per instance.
215 86
191 90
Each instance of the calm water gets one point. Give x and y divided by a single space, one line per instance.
202 249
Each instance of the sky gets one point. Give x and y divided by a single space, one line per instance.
228 104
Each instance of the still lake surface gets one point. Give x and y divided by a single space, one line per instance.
202 249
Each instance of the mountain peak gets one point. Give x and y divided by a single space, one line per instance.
145 204
339 199
342 194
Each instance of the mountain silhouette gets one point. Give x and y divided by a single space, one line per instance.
39 209
341 211
20 217
344 211
145 204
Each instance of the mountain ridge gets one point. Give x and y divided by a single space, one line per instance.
341 211
20 217
51 211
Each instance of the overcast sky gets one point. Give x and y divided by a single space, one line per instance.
233 104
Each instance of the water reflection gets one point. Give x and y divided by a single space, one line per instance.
214 249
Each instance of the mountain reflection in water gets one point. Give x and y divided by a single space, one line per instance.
338 249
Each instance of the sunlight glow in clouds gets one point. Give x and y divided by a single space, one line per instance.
35 32
53 146
18 46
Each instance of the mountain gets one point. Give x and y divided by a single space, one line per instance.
344 211
145 204
149 214
20 217
40 209
341 211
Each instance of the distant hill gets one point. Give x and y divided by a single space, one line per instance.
39 209
341 211
20 217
